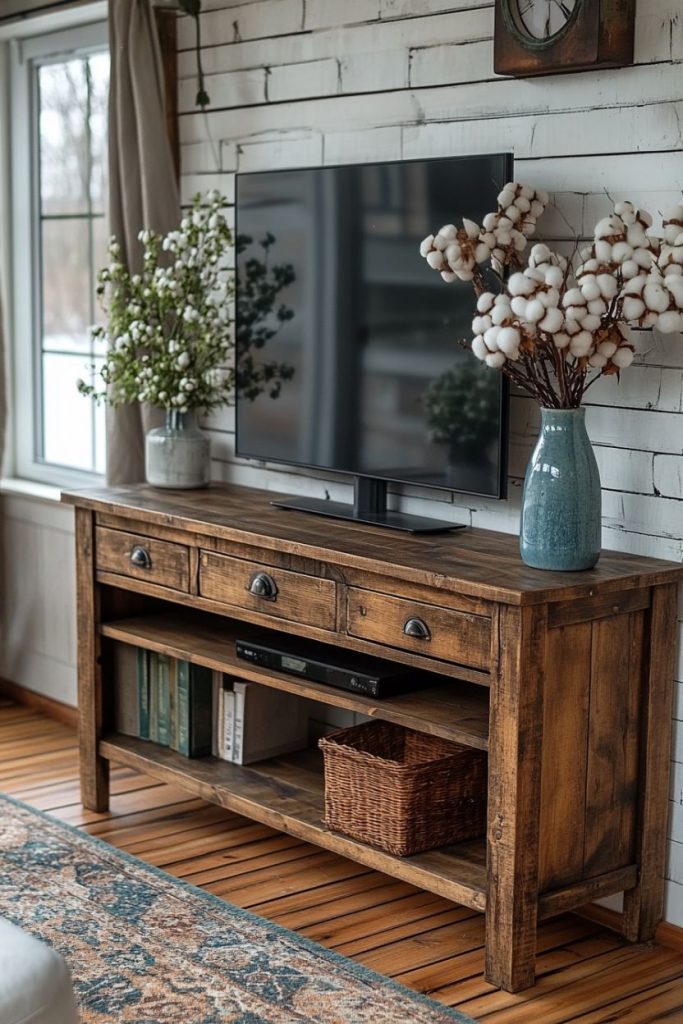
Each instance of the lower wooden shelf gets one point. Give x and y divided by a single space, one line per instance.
287 794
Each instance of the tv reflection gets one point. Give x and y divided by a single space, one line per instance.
368 375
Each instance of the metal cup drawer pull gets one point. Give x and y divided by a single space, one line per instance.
140 557
263 585
417 629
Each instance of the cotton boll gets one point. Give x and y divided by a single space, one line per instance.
448 231
523 203
590 323
581 344
508 342
535 275
597 361
501 313
621 251
607 349
574 297
435 259
491 338
590 266
504 223
539 254
676 290
626 211
670 321
449 276
535 311
561 340
536 208
426 245
513 214
603 251
518 306
519 240
519 284
554 277
644 258
552 321
655 298
503 238
629 269
485 302
632 308
623 357
572 327
550 298
465 275
482 252
608 227
598 307
645 218
636 237
608 286
495 360
479 347
634 286
490 222
507 196
590 289
488 238
453 253
542 196
471 229
481 324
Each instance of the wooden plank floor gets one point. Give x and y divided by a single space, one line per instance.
586 974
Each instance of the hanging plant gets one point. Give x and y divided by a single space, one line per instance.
193 8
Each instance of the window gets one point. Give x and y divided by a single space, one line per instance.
59 89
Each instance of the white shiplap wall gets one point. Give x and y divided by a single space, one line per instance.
309 82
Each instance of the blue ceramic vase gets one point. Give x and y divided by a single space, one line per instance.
561 505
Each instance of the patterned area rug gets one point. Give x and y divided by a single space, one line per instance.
144 947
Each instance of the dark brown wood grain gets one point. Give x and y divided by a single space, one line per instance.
476 563
515 745
289 797
298 597
169 564
644 905
94 768
566 708
577 794
452 636
443 708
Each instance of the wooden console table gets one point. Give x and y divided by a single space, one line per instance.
564 678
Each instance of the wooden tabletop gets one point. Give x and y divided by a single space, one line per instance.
477 563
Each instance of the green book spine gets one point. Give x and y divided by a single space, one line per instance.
200 723
143 692
183 709
173 703
153 696
164 681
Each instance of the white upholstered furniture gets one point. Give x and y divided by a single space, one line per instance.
35 984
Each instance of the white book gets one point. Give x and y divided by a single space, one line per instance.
271 722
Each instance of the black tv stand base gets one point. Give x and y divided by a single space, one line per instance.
390 520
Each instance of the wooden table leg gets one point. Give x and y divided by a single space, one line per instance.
515 746
644 905
94 769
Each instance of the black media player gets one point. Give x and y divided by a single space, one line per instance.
343 669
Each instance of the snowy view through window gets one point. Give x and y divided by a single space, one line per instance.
72 161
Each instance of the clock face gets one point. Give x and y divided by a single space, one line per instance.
542 20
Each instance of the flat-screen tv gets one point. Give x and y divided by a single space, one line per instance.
348 348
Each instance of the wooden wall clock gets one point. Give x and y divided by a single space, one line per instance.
541 37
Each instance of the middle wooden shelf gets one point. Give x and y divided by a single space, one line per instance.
444 707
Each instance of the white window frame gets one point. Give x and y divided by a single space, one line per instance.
25 258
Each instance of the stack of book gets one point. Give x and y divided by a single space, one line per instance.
198 712
255 722
163 699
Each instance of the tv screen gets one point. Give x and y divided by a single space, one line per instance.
348 355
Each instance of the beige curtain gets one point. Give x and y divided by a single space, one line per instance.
143 187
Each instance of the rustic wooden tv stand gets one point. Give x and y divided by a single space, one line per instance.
565 678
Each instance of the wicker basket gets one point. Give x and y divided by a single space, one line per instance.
401 790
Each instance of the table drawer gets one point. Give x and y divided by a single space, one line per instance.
143 558
427 629
269 590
